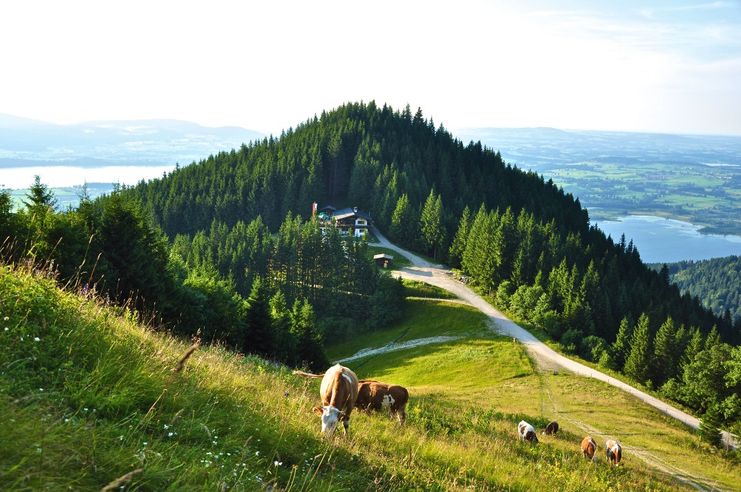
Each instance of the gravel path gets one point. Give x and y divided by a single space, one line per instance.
439 276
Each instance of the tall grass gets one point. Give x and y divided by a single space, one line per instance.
89 397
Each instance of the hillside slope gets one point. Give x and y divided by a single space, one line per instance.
467 379
91 396
716 282
438 276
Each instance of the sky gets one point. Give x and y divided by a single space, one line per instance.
670 67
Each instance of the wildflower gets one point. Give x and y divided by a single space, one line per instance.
6 328
257 453
277 463
36 339
6 318
169 434
41 389
166 426
144 443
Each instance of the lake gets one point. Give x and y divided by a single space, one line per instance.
59 176
661 240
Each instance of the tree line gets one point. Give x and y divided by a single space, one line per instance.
275 295
716 282
586 294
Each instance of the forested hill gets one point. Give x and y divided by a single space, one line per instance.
529 240
358 154
716 282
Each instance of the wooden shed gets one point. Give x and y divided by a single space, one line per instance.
383 260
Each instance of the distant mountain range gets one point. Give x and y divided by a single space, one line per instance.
533 148
25 142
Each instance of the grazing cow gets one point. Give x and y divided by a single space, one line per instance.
588 448
338 391
551 429
374 395
614 451
527 432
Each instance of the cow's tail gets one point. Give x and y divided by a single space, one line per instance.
307 374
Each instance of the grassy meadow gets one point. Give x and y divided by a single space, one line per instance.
89 396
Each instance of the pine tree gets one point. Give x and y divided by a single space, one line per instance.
280 320
713 338
308 340
710 426
461 236
39 196
664 360
637 363
431 224
404 222
260 338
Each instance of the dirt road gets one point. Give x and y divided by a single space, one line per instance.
437 275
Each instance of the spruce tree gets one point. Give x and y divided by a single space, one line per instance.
637 363
280 319
713 338
431 224
459 241
260 338
664 360
39 196
310 351
710 426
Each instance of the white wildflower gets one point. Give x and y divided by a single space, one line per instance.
277 463
6 318
257 453
36 339
170 434
165 426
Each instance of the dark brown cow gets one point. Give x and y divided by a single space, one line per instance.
338 391
526 432
614 452
588 447
374 395
551 429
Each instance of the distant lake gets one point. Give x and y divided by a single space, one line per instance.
661 240
59 176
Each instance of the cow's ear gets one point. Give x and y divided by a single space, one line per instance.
318 410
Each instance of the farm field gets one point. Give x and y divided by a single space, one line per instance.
691 178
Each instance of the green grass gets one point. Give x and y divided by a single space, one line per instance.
96 397
421 319
695 193
414 288
399 260
455 384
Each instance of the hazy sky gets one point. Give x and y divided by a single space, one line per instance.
672 66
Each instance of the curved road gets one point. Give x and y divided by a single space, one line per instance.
437 275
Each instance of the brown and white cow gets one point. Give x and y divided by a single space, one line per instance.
338 391
527 432
374 395
551 429
588 448
614 451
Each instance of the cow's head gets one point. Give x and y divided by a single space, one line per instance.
330 416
